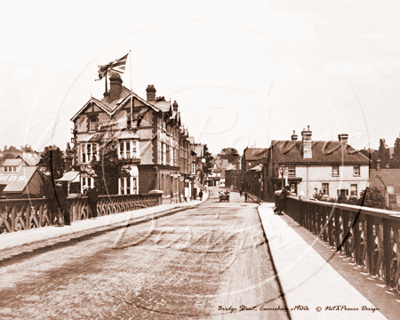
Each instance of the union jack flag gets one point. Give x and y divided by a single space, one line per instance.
116 65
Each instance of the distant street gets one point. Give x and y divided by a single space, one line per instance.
199 263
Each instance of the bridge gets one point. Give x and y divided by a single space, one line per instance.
201 259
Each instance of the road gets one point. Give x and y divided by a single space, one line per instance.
201 263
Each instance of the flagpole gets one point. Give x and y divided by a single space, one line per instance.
130 76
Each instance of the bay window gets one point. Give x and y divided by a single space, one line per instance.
128 149
89 151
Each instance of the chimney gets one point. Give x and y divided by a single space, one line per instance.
151 93
343 137
115 87
378 164
294 136
175 106
306 138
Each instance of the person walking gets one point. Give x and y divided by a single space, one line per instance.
201 195
93 198
282 201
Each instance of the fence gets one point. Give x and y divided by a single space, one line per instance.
25 214
369 237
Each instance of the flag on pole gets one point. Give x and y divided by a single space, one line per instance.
116 65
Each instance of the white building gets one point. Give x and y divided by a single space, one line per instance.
308 166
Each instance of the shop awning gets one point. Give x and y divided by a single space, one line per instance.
257 168
71 176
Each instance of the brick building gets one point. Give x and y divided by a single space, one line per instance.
253 168
388 180
152 142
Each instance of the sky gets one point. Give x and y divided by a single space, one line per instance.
243 73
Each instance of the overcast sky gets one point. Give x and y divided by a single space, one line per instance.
241 72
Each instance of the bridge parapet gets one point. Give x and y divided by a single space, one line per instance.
25 214
367 236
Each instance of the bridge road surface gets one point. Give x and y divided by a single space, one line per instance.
198 263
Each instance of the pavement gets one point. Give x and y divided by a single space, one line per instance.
15 243
316 281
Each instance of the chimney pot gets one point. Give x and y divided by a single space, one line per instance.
175 106
294 136
115 87
307 146
343 137
151 93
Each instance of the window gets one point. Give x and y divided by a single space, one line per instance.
93 125
164 151
335 171
325 188
356 170
121 149
159 146
134 149
353 190
167 154
292 171
128 185
88 152
122 185
87 182
127 149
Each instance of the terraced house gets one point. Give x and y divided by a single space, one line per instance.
331 167
152 142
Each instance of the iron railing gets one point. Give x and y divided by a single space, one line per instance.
25 214
367 236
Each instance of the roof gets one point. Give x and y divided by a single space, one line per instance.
31 159
112 107
323 152
12 162
17 181
384 178
163 105
255 153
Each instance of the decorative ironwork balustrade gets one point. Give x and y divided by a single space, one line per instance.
25 214
367 236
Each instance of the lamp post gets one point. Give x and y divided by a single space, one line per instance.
203 161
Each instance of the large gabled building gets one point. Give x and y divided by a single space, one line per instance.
152 141
331 167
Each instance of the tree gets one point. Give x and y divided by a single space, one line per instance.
208 156
395 162
383 153
108 169
372 197
52 162
27 148
231 154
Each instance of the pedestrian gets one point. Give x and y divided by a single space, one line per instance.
201 195
241 191
282 200
60 204
93 198
245 197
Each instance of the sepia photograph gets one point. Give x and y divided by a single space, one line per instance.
209 160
